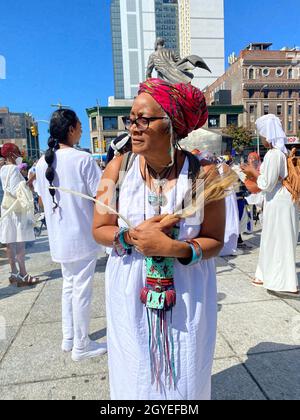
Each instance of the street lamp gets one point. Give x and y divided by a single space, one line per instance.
258 143
99 133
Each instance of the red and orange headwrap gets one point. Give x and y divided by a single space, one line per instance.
254 155
8 149
184 104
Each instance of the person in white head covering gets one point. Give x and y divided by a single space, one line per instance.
269 126
277 260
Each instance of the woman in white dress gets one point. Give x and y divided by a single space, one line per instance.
139 359
276 270
17 227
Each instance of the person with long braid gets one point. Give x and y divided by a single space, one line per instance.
69 221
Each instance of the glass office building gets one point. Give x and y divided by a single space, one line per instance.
167 22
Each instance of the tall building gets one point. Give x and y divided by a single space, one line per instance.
188 26
16 128
202 33
264 81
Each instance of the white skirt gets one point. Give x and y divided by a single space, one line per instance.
16 228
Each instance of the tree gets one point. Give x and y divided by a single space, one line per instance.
242 137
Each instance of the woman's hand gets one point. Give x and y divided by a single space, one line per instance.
151 237
163 222
250 171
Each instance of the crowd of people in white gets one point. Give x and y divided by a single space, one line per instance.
77 228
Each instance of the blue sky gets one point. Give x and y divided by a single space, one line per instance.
60 50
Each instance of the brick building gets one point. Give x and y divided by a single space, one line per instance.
263 81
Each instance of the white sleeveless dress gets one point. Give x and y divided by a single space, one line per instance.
194 316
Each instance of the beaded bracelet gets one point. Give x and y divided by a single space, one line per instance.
197 254
120 245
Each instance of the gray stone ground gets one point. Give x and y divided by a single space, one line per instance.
257 355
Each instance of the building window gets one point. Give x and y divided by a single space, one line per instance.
1 121
251 74
233 119
266 94
251 93
266 72
214 121
291 94
279 93
290 110
266 109
279 109
110 123
290 126
299 125
290 74
94 124
252 109
279 72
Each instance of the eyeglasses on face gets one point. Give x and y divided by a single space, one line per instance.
142 123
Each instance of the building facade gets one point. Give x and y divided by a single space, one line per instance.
188 26
16 128
202 33
106 123
264 81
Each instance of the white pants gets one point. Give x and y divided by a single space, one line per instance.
76 300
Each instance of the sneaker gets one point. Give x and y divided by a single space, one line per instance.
67 346
93 349
236 253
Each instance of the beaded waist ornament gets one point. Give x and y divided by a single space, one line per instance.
159 298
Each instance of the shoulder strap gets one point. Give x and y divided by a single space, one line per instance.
127 162
193 172
7 177
194 165
126 165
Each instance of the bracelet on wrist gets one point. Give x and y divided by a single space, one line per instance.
120 246
197 254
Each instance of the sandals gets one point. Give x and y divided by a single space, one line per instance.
27 281
257 283
14 278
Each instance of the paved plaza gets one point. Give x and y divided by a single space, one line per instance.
257 355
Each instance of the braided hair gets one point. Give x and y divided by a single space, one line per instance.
60 124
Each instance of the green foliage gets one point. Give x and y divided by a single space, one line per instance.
242 137
29 162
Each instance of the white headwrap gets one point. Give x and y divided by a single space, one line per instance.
269 126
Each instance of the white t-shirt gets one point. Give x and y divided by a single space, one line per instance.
70 226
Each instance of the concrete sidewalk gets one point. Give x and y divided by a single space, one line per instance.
257 355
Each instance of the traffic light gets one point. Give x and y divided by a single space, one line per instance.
34 130
103 146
